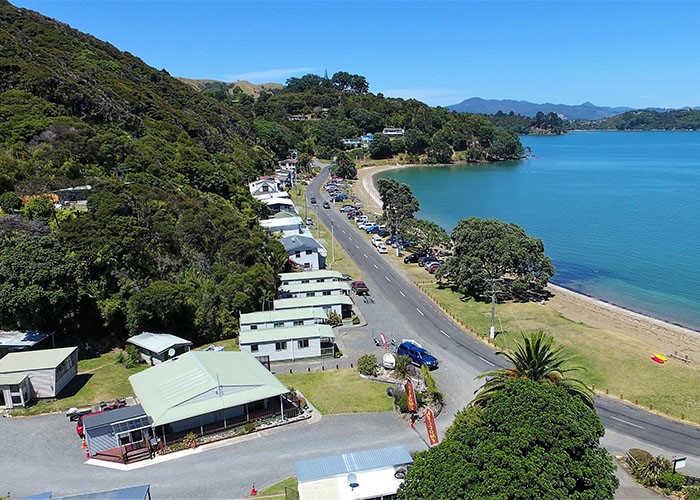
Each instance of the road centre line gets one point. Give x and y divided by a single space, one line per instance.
357 246
443 332
364 254
421 312
402 294
628 423
375 266
486 361
387 278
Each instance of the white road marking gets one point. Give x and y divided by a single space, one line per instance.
421 312
364 254
441 331
486 361
402 294
387 278
375 266
628 423
357 246
343 230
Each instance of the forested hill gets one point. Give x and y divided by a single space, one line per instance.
646 119
170 240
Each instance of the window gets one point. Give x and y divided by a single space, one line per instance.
298 322
253 347
309 252
280 346
297 254
326 292
253 327
303 343
279 324
310 294
16 399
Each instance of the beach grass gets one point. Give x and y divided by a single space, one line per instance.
340 391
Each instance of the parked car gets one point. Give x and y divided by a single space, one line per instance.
346 277
417 354
309 221
383 233
326 205
372 228
433 267
340 197
413 258
381 248
347 208
376 240
359 287
313 200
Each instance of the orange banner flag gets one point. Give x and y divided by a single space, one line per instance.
431 427
410 396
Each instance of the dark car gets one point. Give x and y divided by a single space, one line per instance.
313 201
359 287
383 233
413 258
326 204
417 354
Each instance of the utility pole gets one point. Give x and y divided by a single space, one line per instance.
333 242
493 292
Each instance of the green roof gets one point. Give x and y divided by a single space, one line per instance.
200 382
283 315
291 333
316 287
12 379
311 275
323 300
34 360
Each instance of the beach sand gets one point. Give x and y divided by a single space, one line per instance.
666 338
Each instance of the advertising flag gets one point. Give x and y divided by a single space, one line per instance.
431 427
410 396
383 337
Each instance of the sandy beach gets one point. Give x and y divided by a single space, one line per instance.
661 336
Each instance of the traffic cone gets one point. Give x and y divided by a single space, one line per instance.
83 445
87 453
253 491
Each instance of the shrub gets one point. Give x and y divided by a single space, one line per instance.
249 427
190 440
367 365
649 473
671 480
402 367
637 457
334 319
130 357
692 493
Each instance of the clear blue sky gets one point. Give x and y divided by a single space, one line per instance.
636 54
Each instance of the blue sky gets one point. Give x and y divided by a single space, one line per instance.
636 54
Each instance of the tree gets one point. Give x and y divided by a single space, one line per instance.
380 147
424 234
533 441
398 202
535 359
10 202
304 163
39 208
487 249
345 166
416 141
439 152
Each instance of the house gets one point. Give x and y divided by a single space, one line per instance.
158 347
140 492
276 205
288 163
314 289
375 474
282 344
123 433
305 251
74 196
339 304
298 117
36 374
263 186
275 194
353 142
322 276
285 318
13 340
206 391
285 177
277 225
367 138
393 131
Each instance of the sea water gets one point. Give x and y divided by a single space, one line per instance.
619 212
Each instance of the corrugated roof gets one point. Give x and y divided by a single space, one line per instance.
311 275
283 315
22 339
299 242
157 342
316 287
93 420
34 360
129 493
323 300
200 382
289 333
12 379
319 468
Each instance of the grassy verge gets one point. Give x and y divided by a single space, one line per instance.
278 490
340 391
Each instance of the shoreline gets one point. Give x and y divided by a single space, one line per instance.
663 335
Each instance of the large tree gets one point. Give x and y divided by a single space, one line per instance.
398 202
424 234
380 147
489 249
533 441
345 166
535 358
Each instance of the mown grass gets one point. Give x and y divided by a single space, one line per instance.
278 490
340 391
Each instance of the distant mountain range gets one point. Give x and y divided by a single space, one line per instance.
585 111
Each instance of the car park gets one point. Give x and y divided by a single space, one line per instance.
417 354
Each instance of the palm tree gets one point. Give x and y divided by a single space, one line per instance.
535 359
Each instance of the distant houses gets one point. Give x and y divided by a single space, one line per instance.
393 131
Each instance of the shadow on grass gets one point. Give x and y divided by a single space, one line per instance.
74 386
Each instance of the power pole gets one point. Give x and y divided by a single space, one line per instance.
493 292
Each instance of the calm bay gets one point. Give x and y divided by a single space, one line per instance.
619 212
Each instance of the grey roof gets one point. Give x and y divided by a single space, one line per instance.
13 378
311 275
321 300
22 339
34 360
201 382
299 242
324 467
289 333
140 492
282 316
157 342
93 420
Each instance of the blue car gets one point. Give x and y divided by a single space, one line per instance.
372 229
417 354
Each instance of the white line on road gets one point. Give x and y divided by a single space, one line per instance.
343 230
375 266
486 361
387 278
421 312
628 423
357 246
441 331
402 294
364 254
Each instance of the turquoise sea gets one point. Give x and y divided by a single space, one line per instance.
619 212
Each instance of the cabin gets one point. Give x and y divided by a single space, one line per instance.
393 131
339 304
277 205
277 225
122 434
15 340
299 278
158 347
286 318
36 374
314 289
264 186
305 251
289 344
74 196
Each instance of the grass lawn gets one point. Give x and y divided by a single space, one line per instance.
340 391
277 490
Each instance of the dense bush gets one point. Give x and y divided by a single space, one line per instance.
639 457
671 480
367 365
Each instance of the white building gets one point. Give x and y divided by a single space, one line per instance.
277 225
305 251
322 276
339 304
264 186
158 347
286 318
314 289
289 344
